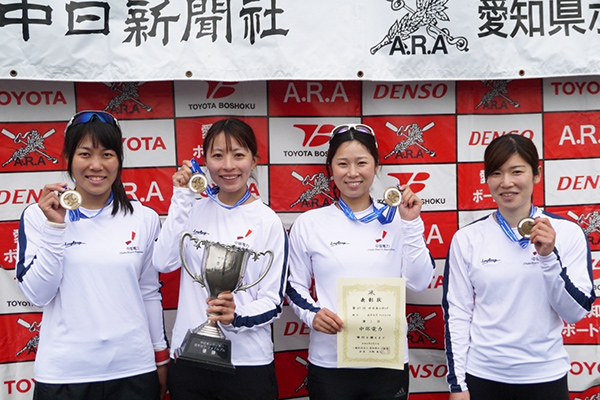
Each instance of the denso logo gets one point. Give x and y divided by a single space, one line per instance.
46 97
315 135
144 143
416 180
428 370
580 182
401 91
310 92
296 328
585 131
484 138
219 90
19 196
578 88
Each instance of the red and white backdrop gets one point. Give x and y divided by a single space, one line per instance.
437 80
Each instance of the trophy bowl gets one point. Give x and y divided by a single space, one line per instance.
222 269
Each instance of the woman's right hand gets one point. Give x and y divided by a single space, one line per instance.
327 321
50 204
182 176
460 396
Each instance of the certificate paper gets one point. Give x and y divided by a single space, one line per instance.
374 315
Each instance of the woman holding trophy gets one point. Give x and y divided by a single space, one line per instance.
339 241
233 296
511 278
85 256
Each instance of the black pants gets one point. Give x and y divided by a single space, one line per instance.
187 381
357 384
483 389
139 387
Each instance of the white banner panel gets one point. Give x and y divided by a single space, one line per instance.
566 180
475 132
284 39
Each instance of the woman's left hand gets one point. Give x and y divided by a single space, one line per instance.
162 379
543 236
410 208
222 308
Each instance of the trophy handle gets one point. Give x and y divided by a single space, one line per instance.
197 244
264 273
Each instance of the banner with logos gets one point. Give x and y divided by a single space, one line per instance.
431 135
379 40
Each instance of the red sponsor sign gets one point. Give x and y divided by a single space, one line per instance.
439 228
589 394
151 186
20 337
170 289
499 96
415 139
572 135
191 133
34 146
8 244
291 368
429 396
128 100
474 193
306 98
425 327
588 218
586 331
299 188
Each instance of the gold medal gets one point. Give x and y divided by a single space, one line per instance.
198 183
392 196
525 226
70 199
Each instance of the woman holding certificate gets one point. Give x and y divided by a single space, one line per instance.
511 278
353 238
229 222
85 257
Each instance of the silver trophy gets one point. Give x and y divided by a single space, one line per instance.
223 268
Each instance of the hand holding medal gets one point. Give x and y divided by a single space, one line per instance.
409 204
50 202
543 236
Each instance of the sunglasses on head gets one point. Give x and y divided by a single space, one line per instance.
362 128
86 116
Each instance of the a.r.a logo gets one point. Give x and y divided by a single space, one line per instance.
427 17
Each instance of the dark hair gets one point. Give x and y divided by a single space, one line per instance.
233 128
368 141
101 134
503 147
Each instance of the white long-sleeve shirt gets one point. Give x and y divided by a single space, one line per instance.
253 226
327 245
102 312
504 305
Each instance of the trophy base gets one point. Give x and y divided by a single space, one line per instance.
207 352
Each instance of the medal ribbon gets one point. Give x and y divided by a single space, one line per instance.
76 214
214 190
523 242
376 214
